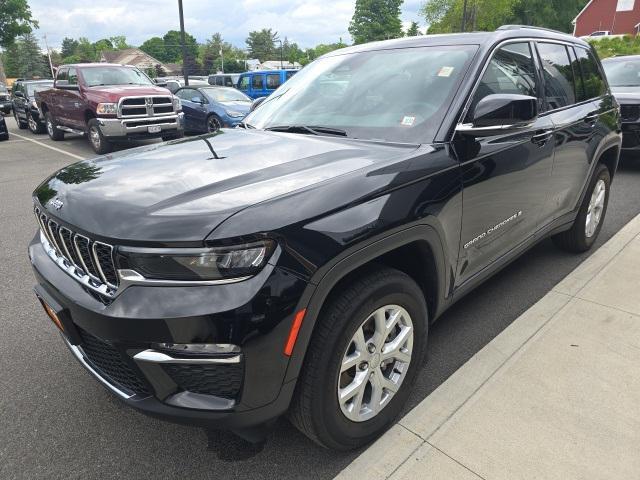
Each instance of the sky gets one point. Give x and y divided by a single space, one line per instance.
307 22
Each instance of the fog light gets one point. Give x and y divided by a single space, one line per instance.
51 314
198 348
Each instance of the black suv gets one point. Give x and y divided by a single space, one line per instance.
25 108
623 73
5 100
294 264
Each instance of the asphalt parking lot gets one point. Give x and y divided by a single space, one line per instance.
57 422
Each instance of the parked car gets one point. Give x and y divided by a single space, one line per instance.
623 74
224 79
5 100
25 107
177 83
262 83
109 103
208 109
296 263
4 131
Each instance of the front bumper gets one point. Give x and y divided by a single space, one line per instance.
255 314
6 106
139 127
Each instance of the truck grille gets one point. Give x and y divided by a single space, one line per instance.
89 261
630 113
108 361
134 107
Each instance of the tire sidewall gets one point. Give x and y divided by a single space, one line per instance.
601 173
347 433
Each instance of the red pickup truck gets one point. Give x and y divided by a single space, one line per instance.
109 103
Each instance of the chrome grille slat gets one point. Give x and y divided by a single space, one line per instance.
90 262
147 106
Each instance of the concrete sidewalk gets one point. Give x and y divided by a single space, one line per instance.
555 396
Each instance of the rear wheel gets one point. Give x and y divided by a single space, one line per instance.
588 223
34 126
98 142
365 352
52 128
21 123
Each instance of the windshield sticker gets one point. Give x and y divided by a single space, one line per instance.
445 71
408 121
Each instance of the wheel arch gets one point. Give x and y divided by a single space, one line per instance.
610 156
417 251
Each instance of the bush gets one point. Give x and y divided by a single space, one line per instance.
609 47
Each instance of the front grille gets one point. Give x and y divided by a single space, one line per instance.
224 380
83 256
108 361
630 113
133 107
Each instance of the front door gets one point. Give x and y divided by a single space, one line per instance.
506 177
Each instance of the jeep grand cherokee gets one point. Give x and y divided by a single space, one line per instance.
295 264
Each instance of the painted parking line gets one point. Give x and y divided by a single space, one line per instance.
77 157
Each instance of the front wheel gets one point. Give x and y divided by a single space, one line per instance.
34 126
52 128
98 142
588 223
21 123
365 352
213 123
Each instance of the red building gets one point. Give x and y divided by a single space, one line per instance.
619 17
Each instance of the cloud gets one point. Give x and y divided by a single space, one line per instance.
307 22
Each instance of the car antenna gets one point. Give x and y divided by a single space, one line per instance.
215 155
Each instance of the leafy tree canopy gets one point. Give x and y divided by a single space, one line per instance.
413 30
15 20
261 44
376 20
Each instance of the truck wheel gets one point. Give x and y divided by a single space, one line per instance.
365 352
588 223
34 126
21 123
52 128
100 144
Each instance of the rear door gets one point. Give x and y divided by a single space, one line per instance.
573 101
74 104
20 103
505 176
188 107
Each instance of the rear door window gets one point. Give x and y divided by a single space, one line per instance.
219 81
559 87
228 82
257 83
273 81
592 78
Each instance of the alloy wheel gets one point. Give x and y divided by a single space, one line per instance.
375 363
213 124
49 126
596 207
32 124
94 136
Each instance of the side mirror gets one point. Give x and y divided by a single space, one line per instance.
500 113
160 83
256 103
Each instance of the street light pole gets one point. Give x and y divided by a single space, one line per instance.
49 55
281 48
185 73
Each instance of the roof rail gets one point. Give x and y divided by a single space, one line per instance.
517 27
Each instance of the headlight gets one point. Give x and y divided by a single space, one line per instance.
177 104
233 113
199 264
107 108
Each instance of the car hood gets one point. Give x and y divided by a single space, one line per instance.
116 92
239 106
180 191
626 94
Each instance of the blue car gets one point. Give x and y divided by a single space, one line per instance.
263 83
208 109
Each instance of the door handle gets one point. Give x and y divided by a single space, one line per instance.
541 137
592 118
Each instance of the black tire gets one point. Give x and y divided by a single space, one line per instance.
575 239
213 123
34 126
173 136
4 136
21 123
97 140
315 409
52 128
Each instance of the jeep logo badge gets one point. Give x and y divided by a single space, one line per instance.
56 203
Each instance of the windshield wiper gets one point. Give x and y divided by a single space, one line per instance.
246 126
313 130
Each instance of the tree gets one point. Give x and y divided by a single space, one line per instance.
103 45
173 49
556 14
15 20
155 47
86 50
119 42
69 46
413 30
25 59
261 44
376 20
445 16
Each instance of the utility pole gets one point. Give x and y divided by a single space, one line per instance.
281 48
49 55
222 58
185 73
464 16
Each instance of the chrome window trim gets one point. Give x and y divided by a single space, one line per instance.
154 356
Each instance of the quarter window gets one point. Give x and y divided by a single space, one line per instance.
559 88
243 84
511 70
594 84
273 81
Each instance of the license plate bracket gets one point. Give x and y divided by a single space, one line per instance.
154 129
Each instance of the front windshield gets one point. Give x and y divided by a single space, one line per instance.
623 73
114 75
38 87
398 95
226 95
